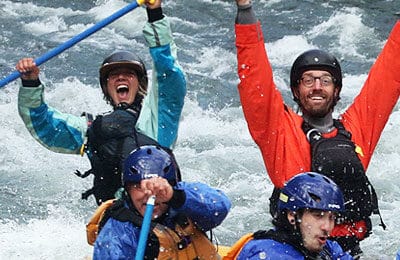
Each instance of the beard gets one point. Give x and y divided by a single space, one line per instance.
319 111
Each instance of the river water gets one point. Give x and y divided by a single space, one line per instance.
41 214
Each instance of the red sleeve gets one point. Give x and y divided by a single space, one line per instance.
262 102
370 111
274 127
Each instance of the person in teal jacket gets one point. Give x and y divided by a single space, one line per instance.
183 212
308 205
139 116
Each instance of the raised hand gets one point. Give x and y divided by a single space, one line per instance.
28 69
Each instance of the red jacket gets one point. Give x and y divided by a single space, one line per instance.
276 128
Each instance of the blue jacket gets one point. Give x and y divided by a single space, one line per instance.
272 250
159 117
205 206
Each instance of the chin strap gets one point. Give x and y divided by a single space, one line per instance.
136 105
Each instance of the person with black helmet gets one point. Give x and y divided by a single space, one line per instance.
307 207
183 212
140 116
313 140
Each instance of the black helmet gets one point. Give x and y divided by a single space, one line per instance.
123 59
315 60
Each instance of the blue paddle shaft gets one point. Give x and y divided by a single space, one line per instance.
71 42
144 232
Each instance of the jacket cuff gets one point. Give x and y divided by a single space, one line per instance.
178 199
31 83
245 14
154 14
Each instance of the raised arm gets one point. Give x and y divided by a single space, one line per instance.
163 105
370 111
57 131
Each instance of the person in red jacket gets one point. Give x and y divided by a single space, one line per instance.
313 140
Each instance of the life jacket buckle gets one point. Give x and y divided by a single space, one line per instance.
314 134
185 241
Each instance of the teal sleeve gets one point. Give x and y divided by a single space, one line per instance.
58 132
162 107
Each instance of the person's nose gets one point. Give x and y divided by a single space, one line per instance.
317 84
120 75
327 224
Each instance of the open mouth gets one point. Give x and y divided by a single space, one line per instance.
322 240
122 89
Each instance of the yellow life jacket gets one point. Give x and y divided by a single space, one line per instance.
235 250
186 241
92 228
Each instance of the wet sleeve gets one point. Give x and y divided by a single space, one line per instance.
58 132
162 107
204 205
336 251
268 249
116 240
275 127
370 111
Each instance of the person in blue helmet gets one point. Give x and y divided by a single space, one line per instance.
308 206
182 213
142 114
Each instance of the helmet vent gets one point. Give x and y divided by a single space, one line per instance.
316 198
134 170
149 151
166 169
326 179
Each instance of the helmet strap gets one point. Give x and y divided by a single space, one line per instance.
136 105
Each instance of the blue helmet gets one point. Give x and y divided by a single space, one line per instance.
312 191
149 161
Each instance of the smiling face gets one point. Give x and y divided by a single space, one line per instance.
139 199
315 227
316 99
122 85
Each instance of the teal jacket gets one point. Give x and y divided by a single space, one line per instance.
159 117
